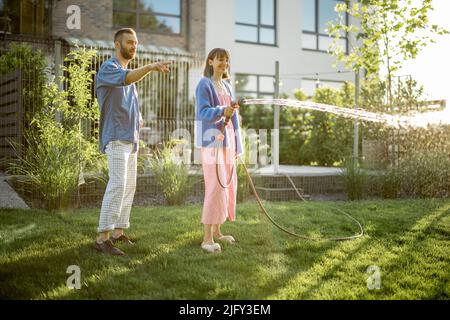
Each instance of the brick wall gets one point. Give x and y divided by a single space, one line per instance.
97 23
197 32
96 19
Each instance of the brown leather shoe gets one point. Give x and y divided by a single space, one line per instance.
123 238
108 247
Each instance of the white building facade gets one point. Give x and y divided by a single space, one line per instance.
259 32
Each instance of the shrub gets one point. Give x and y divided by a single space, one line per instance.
426 174
171 175
390 183
59 151
32 64
50 163
354 179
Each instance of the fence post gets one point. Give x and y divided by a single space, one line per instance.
276 120
58 71
356 127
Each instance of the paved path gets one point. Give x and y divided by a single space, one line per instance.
300 170
8 197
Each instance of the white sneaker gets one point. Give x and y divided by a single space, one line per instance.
211 248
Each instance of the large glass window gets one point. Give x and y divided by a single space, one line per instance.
255 21
254 86
316 14
160 16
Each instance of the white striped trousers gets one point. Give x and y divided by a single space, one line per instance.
119 194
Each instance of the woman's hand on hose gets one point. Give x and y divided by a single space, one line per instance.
235 105
228 112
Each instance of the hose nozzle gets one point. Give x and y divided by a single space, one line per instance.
241 101
238 103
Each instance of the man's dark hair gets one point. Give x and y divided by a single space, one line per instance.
118 35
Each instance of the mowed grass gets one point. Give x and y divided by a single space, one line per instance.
407 241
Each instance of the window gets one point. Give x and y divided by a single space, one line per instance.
316 15
25 17
5 17
255 21
148 15
309 85
254 86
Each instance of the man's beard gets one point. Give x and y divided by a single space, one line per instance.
126 54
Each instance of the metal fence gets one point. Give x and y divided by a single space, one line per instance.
166 100
20 98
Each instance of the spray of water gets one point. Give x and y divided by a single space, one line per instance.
414 121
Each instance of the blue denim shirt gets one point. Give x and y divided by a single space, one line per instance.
119 106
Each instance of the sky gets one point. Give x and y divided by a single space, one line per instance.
432 67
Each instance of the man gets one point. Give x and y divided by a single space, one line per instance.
120 121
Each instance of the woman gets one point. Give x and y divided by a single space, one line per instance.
213 104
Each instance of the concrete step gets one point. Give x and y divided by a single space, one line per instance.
9 197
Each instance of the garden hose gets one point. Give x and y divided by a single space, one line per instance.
226 185
264 211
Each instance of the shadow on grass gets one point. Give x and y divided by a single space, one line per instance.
341 271
167 262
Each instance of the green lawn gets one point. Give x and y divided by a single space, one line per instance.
407 240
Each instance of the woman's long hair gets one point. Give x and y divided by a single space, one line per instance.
217 52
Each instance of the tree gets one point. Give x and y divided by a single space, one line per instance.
388 33
329 139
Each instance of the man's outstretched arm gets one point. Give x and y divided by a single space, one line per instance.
138 73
